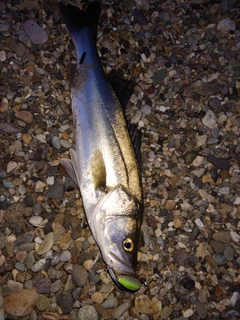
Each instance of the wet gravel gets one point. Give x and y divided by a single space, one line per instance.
185 60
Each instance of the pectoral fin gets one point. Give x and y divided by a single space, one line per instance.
70 167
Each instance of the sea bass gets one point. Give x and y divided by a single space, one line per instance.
104 165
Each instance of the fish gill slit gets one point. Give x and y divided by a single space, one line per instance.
82 58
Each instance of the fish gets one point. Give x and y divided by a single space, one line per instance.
105 162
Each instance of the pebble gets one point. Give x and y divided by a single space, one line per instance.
20 304
47 244
110 302
55 191
188 313
223 236
15 286
206 88
219 259
166 312
65 302
43 302
97 297
88 312
228 253
56 142
226 25
35 33
43 285
79 275
220 163
144 305
201 310
25 116
3 57
210 119
120 310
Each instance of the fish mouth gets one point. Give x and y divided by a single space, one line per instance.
123 277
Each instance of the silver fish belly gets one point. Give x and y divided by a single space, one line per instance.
104 164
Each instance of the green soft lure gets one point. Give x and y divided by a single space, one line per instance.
129 283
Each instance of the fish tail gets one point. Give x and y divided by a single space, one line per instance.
76 19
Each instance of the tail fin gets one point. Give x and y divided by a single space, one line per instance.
76 18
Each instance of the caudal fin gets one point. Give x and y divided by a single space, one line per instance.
76 18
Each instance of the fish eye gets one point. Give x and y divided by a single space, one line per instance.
128 244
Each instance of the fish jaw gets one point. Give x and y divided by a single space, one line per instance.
115 223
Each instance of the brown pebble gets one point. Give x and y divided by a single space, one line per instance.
25 116
169 205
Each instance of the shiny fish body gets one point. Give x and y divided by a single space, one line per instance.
104 164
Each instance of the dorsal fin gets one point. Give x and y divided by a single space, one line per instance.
123 90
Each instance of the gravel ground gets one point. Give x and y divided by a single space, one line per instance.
185 60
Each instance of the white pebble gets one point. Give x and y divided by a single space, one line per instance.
50 180
209 120
188 313
162 109
3 56
234 236
199 223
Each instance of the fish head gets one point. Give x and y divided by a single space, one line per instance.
118 218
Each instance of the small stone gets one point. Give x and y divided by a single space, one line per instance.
65 144
223 236
35 33
226 25
47 244
15 286
27 138
3 103
142 5
220 163
120 310
43 285
206 88
36 220
65 256
43 302
20 304
219 259
25 116
3 56
144 305
210 119
201 310
38 266
79 275
55 191
65 302
169 205
189 157
166 312
234 236
229 253
88 312
188 313
97 297
56 142
110 302
11 166
198 161
9 128
218 246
